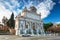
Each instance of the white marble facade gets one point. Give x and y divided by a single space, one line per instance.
29 22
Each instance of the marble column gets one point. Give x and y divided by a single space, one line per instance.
31 29
29 26
19 27
42 30
16 31
37 29
25 28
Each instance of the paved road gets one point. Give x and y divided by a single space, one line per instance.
13 37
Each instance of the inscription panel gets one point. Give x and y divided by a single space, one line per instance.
33 16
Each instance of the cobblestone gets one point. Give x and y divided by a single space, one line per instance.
14 37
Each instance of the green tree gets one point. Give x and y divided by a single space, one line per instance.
58 24
11 22
47 25
4 20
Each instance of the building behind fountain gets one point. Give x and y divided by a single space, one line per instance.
29 22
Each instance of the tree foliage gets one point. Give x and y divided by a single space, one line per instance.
4 20
58 24
11 22
47 25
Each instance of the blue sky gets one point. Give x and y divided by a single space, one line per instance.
54 15
49 9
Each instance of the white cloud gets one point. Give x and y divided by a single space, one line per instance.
4 12
28 5
59 2
45 7
7 12
57 23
